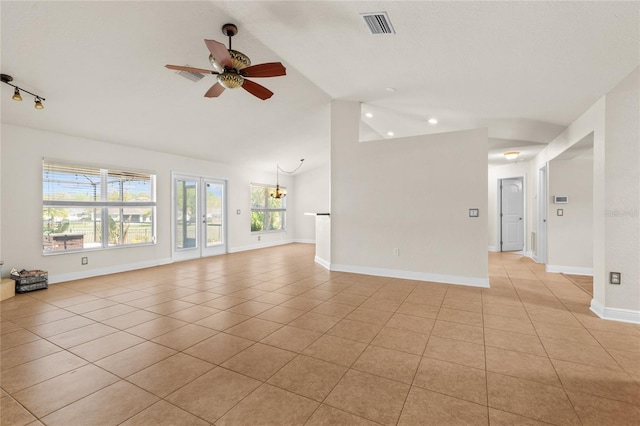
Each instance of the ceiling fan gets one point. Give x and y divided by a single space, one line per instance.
232 68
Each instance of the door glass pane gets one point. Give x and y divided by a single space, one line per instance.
213 230
186 213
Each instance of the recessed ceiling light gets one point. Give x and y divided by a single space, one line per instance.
391 89
368 115
433 121
389 133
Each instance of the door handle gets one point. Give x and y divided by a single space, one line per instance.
520 219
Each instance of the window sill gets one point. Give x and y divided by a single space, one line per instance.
89 250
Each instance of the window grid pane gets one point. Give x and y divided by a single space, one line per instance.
267 213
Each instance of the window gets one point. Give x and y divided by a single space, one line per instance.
89 207
267 213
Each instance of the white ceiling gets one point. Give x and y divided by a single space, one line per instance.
525 70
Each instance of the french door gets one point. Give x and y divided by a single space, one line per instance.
199 216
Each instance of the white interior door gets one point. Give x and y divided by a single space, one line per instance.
199 219
512 214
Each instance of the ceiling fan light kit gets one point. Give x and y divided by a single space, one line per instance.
233 67
230 80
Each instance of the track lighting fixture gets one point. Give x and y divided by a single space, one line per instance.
7 79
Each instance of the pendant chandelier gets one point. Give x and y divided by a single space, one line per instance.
280 193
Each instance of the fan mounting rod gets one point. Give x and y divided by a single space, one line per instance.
229 30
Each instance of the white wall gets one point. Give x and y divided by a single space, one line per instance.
22 153
2 268
614 122
312 195
512 170
622 193
570 237
591 121
413 194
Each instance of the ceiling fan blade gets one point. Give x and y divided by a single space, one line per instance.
190 69
214 91
219 52
257 90
270 69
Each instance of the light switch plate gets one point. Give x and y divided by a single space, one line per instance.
474 212
560 212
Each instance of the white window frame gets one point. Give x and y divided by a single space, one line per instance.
103 204
269 189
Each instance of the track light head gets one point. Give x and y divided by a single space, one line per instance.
16 95
38 104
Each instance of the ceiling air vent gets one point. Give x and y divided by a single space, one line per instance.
193 76
378 23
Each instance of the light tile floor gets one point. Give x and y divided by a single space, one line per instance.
268 337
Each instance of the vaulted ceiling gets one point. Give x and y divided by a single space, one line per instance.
525 70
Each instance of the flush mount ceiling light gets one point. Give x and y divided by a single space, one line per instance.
280 193
390 133
7 79
511 155
391 89
433 121
368 115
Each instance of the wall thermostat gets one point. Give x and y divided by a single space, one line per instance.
560 199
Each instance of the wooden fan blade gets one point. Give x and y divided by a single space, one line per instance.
190 69
214 91
219 52
270 69
257 90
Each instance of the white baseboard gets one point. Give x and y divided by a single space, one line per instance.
615 314
493 248
412 275
59 278
322 263
259 246
304 241
572 270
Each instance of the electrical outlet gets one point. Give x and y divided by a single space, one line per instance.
238 211
615 277
85 260
396 251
